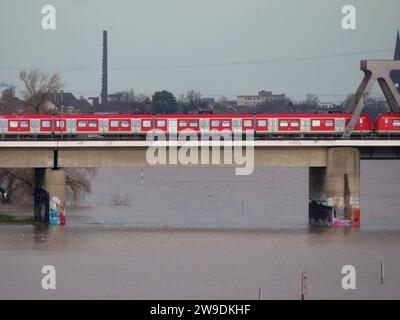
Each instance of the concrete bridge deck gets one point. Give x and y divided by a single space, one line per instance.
97 154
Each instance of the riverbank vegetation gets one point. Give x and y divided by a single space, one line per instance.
10 219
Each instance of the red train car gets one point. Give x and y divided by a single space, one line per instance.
129 125
387 124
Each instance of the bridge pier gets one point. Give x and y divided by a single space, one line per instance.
49 204
334 190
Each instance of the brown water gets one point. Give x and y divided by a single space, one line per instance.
182 234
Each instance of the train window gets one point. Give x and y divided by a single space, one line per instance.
283 123
386 120
114 123
160 123
81 124
226 123
215 123
193 124
125 123
202 123
24 124
342 122
361 121
262 123
13 124
92 123
45 123
247 123
294 123
316 123
60 123
182 123
396 123
329 123
146 123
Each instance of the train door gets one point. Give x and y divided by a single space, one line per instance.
71 124
3 126
273 125
307 124
136 125
172 126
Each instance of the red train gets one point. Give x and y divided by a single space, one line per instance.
140 124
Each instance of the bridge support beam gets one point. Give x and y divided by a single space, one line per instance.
334 190
50 204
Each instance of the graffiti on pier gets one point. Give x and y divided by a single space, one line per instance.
57 211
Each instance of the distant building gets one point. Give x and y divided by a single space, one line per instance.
327 105
64 98
5 86
69 103
114 98
9 103
262 97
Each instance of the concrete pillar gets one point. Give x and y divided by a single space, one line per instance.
50 196
334 191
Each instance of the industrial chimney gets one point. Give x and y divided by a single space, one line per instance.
104 79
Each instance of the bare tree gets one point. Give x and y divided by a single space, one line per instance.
78 182
312 100
193 97
38 88
15 184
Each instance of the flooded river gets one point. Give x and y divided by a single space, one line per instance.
207 234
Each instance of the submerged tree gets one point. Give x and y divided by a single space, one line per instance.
18 184
78 182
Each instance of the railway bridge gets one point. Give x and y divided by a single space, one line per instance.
334 166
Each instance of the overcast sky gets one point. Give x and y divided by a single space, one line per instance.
180 45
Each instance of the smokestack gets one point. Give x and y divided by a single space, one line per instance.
104 79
